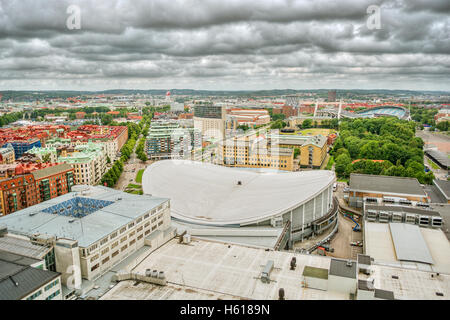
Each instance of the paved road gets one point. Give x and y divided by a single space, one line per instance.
128 175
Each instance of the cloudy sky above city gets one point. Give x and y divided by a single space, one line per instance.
225 45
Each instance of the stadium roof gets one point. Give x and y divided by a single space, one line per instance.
385 184
204 193
88 227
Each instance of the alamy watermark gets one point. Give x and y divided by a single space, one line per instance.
73 22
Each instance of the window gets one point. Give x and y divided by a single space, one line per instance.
123 230
123 239
35 295
114 244
54 294
104 251
94 258
95 267
113 235
132 242
103 241
124 248
105 260
115 253
131 225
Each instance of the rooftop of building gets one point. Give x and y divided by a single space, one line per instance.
343 268
386 184
85 216
416 248
443 186
405 209
210 194
22 246
18 279
212 270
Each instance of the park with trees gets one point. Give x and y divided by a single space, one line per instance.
389 141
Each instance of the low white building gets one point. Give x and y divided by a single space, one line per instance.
92 229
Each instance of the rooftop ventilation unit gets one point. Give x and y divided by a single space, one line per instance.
293 263
71 220
239 183
349 263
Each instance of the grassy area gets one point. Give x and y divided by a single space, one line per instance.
330 163
135 186
343 180
432 164
139 176
316 131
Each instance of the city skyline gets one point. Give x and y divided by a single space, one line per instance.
225 46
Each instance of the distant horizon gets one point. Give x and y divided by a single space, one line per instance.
217 90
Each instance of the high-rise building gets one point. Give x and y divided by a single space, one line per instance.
210 119
167 140
332 96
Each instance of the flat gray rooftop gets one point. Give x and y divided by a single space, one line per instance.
405 209
444 187
341 269
89 228
22 247
385 184
409 243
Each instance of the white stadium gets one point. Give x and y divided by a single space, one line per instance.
206 196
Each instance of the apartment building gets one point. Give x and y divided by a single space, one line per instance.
30 187
167 140
313 152
7 154
114 137
252 152
210 119
87 160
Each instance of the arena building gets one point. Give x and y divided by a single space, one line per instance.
235 202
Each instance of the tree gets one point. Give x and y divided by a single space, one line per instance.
46 157
342 162
307 123
296 152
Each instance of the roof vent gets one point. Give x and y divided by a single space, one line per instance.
349 263
17 284
32 214
239 183
118 199
71 220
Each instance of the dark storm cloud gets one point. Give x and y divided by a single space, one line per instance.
224 44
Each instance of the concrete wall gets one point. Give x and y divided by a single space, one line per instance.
341 284
316 283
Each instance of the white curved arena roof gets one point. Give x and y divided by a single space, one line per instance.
209 194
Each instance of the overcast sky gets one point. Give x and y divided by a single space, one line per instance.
224 45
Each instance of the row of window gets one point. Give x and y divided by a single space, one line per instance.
54 294
123 248
130 225
51 285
